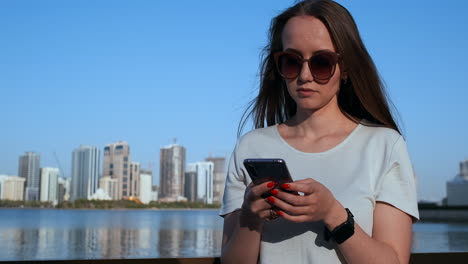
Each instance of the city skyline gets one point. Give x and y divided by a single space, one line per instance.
104 170
121 178
145 72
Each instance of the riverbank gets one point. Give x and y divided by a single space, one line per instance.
101 204
434 213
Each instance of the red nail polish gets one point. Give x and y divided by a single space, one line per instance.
274 192
271 199
285 186
270 184
280 213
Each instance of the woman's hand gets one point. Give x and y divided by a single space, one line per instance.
255 208
317 203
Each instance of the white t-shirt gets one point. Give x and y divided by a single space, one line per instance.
370 165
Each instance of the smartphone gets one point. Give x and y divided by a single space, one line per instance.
264 170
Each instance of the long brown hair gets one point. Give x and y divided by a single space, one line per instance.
362 96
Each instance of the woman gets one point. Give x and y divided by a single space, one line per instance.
328 118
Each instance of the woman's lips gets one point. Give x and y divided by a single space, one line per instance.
305 92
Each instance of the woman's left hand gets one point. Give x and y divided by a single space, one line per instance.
317 203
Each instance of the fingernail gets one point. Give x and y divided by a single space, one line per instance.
279 213
270 184
271 199
285 186
274 192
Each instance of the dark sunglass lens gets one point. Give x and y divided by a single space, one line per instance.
289 66
322 65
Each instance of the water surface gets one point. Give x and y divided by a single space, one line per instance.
31 234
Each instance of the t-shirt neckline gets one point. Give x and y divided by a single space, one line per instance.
335 148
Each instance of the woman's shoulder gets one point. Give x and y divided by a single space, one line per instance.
259 134
378 132
258 137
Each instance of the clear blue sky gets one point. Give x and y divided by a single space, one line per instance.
94 72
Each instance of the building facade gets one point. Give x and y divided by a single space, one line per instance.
204 180
110 186
85 172
146 183
63 189
172 172
190 189
219 177
133 186
457 189
155 193
2 184
29 169
117 166
49 185
12 188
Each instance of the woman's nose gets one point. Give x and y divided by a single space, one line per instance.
306 75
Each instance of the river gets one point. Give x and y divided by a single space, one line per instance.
46 234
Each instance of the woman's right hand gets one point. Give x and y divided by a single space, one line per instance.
255 208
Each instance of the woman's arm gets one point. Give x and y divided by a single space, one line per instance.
390 241
242 228
392 228
241 239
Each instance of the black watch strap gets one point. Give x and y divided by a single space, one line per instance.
342 232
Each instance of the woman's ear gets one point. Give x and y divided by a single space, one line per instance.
344 77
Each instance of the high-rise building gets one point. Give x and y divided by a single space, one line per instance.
190 189
172 169
464 170
2 179
11 188
133 186
49 185
117 166
110 186
219 176
204 180
29 169
85 172
457 189
63 189
146 183
154 193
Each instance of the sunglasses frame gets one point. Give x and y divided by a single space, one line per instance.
337 57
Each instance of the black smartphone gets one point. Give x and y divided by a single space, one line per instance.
264 170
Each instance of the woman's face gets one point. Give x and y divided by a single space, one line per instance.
306 35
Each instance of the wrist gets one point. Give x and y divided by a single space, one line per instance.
247 218
343 231
336 216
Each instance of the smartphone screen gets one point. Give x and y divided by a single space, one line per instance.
264 170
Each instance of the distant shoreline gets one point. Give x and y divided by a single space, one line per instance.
108 204
119 209
435 213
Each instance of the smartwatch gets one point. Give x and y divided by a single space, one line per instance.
342 232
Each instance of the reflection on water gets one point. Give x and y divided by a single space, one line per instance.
27 234
440 237
91 234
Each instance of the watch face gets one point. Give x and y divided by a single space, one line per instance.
344 233
346 230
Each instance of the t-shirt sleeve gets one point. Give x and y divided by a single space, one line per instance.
235 186
398 185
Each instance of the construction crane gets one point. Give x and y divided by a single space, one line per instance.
62 173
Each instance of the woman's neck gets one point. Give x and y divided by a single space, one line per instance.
324 121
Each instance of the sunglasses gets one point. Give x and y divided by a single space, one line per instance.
322 65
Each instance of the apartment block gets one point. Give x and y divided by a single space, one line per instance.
49 185
29 169
172 173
